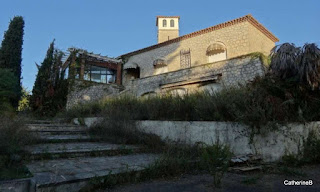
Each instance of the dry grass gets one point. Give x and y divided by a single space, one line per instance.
13 137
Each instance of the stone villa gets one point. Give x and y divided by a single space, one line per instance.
207 59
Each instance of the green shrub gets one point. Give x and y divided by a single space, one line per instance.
117 127
311 149
8 91
216 159
309 154
13 137
264 101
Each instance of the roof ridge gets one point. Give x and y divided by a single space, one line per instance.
248 18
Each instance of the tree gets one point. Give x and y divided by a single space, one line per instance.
11 51
41 85
298 64
8 90
49 91
309 68
24 101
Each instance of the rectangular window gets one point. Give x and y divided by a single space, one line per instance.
185 59
99 74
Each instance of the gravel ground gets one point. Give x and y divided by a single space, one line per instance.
232 182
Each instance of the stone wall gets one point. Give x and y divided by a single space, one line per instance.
239 39
258 41
84 91
167 34
270 144
228 72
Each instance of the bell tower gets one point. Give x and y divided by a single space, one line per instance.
168 27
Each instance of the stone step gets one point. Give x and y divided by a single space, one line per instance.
54 125
73 174
41 122
79 149
57 128
54 137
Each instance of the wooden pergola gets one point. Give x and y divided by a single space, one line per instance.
85 58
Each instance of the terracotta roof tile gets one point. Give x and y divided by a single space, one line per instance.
160 16
248 18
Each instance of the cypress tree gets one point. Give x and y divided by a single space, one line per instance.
11 52
49 91
42 83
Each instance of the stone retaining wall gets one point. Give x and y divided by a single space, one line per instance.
84 91
230 72
271 145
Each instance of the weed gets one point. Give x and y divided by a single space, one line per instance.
311 148
309 154
123 131
175 160
13 137
18 171
265 101
216 160
291 161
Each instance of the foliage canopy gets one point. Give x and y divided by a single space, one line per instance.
11 53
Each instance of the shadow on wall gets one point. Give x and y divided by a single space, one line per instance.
154 62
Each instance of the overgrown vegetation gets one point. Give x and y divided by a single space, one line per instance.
298 64
216 159
24 101
309 155
265 100
13 137
289 92
118 127
50 89
280 96
8 92
174 161
124 131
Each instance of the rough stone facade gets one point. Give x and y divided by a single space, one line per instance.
181 65
239 39
82 92
167 34
208 76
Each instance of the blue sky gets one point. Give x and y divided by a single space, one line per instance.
115 27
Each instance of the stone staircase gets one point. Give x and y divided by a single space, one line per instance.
67 157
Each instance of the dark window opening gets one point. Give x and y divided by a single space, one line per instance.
171 23
133 73
164 24
99 74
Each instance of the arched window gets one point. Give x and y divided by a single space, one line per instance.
132 71
160 66
171 23
177 92
216 52
164 23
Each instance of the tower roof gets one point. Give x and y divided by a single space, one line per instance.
160 16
